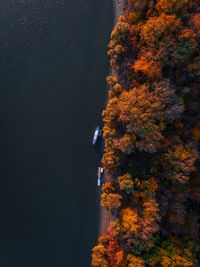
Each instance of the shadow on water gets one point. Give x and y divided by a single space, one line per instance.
99 148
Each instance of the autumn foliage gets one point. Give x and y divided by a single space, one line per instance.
170 6
151 133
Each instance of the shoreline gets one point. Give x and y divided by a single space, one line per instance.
151 133
118 10
105 216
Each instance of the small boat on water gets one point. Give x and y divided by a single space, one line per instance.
96 134
99 175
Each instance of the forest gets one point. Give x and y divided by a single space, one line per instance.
151 133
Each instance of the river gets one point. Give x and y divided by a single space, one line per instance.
53 66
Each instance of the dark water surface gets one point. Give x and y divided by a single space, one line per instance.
52 90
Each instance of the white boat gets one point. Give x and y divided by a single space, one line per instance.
96 133
99 174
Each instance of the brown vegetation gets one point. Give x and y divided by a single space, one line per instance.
152 133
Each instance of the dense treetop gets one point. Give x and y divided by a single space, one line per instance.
152 133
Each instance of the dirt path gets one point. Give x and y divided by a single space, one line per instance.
105 215
118 9
106 218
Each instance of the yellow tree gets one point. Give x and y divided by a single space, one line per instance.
109 131
142 111
110 160
175 261
126 182
110 199
111 113
130 220
149 221
156 28
99 256
148 65
139 111
134 261
181 159
120 32
170 6
115 90
125 143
